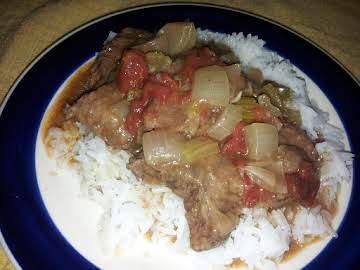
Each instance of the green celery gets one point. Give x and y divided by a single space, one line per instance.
197 149
293 116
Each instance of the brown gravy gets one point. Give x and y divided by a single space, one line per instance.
236 263
295 248
73 90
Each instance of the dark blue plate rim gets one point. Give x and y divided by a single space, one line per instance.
116 13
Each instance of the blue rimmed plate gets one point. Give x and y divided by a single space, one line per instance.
35 239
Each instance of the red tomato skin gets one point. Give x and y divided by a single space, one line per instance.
253 193
165 79
198 58
259 112
134 118
156 91
133 70
160 87
235 143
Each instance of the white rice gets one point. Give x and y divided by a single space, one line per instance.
132 209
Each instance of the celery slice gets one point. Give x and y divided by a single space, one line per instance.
197 149
293 116
273 94
248 116
246 101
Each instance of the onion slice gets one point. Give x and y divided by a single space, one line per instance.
161 147
226 122
261 176
271 176
262 140
211 84
198 148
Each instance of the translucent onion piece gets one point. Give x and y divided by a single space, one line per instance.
161 147
181 36
172 39
237 98
260 163
197 149
274 166
211 84
226 122
278 169
262 140
262 177
237 81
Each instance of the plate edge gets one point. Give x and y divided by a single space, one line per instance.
133 8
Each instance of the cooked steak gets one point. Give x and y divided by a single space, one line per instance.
103 111
291 135
107 60
212 192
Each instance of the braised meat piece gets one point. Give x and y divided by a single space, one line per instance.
212 192
103 111
169 116
145 172
291 157
304 184
107 60
291 135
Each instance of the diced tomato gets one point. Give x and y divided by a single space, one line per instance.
235 143
182 97
253 193
160 87
238 130
260 113
133 70
165 79
157 91
197 58
134 118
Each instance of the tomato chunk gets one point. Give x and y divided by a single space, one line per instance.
160 87
165 89
197 58
259 113
157 91
134 119
253 193
133 71
235 143
165 79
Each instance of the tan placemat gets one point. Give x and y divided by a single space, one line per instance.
28 27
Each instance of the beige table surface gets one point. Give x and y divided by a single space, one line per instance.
28 27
